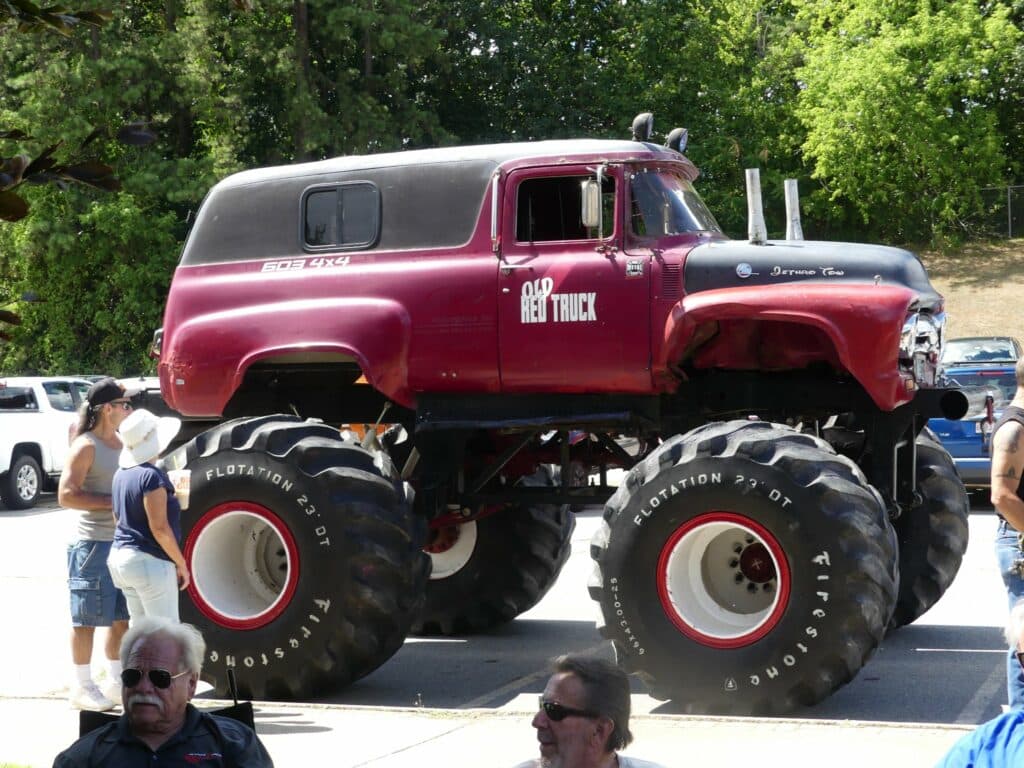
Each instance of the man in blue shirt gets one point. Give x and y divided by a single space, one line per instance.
162 661
999 742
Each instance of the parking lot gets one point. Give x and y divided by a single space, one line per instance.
946 669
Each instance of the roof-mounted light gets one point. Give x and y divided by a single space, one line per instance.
677 140
643 126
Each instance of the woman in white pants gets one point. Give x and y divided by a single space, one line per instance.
145 561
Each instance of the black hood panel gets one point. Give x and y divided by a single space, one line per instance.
735 263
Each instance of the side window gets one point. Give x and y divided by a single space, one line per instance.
59 395
17 399
82 388
346 216
549 209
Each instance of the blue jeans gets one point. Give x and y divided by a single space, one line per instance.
95 601
1007 553
150 584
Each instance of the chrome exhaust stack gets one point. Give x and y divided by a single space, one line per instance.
756 230
793 229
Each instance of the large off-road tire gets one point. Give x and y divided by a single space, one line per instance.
22 483
487 572
744 568
933 535
306 558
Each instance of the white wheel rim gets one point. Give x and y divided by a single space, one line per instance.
452 559
243 566
723 581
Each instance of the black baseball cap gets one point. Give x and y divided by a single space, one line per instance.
107 390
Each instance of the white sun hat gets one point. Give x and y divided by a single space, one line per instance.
145 437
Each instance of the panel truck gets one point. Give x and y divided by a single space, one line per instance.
422 361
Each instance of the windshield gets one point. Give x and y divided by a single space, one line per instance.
665 203
983 350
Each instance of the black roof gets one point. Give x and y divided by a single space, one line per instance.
430 198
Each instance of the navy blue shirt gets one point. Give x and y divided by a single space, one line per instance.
130 486
204 740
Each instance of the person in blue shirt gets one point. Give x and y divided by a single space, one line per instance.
999 742
146 561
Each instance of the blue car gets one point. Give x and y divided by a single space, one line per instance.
989 387
980 350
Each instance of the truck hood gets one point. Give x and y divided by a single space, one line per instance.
734 263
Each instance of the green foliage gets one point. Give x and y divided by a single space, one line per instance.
898 108
105 265
32 18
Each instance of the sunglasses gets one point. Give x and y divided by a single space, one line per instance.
160 678
557 713
1020 657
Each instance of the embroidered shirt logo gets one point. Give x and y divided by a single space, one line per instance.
195 758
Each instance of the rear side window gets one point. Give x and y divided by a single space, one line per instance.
17 399
345 216
59 395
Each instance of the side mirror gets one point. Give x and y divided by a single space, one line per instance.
591 197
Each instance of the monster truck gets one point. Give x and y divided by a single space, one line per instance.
481 308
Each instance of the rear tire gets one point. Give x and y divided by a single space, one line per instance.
932 536
306 558
488 571
22 484
744 568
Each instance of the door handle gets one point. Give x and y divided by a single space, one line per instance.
506 269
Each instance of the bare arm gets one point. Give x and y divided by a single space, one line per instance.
155 503
69 490
1007 469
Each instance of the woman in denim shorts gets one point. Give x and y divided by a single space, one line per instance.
146 561
84 489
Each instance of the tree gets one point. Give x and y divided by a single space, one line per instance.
896 104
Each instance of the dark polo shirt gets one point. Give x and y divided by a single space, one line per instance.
205 740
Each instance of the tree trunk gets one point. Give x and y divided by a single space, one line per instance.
301 23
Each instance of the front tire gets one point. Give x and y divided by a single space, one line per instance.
22 484
744 568
305 556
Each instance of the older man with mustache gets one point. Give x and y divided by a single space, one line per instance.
162 660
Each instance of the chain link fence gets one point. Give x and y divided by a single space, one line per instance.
1003 212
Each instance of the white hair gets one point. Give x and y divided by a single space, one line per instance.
1014 631
189 640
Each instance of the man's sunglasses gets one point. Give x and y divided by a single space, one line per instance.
557 713
160 678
